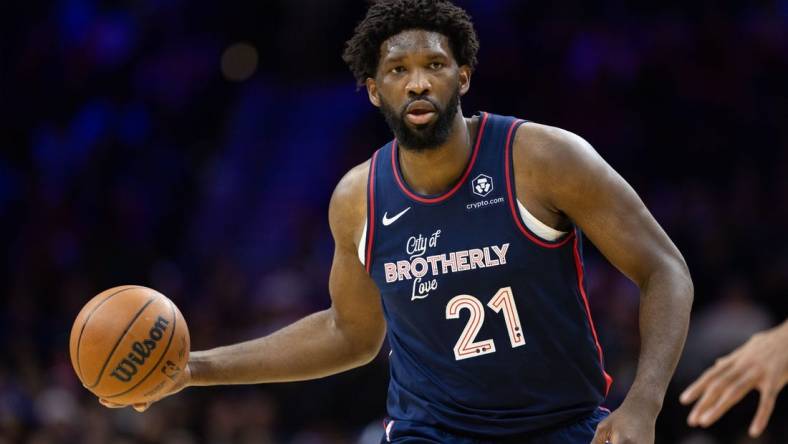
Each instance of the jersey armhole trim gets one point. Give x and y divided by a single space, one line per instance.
369 232
581 287
513 202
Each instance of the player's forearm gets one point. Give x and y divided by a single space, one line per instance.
310 348
666 300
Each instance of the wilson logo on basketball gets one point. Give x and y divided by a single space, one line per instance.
140 351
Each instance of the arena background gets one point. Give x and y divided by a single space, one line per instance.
193 146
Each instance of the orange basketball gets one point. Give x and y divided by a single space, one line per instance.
128 344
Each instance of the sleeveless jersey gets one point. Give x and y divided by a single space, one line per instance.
489 326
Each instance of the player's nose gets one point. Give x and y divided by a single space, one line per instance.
418 83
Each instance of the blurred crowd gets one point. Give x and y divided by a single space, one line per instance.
192 147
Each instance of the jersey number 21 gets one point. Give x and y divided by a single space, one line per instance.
467 346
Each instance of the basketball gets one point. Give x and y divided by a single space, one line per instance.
128 344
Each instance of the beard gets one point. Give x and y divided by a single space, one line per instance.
422 137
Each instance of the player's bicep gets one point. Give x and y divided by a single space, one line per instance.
609 211
354 297
355 301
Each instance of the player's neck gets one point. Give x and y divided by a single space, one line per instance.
435 170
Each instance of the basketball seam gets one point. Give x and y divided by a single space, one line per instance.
125 332
154 367
87 319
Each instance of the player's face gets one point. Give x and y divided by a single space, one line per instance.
418 87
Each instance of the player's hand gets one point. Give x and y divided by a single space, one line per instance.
761 363
183 381
629 424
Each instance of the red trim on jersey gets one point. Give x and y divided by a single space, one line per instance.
441 198
513 200
579 268
370 212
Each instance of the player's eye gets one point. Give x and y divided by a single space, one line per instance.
436 65
398 69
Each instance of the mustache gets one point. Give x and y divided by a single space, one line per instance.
404 110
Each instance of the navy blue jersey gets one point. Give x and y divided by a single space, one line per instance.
489 326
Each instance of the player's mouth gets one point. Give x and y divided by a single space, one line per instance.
420 112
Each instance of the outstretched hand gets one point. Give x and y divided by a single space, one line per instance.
183 381
761 364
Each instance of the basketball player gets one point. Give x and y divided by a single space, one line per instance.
461 239
761 363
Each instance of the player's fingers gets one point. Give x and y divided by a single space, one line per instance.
695 389
731 394
141 407
703 405
602 433
110 404
765 408
711 394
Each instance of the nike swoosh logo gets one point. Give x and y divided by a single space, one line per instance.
388 221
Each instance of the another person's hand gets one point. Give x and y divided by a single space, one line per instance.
183 380
761 363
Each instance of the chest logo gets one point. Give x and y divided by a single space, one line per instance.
482 185
424 270
390 220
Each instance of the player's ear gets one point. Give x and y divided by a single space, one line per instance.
372 91
465 79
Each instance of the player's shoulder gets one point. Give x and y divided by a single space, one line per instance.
351 190
546 149
348 207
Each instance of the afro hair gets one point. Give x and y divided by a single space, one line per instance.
386 18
